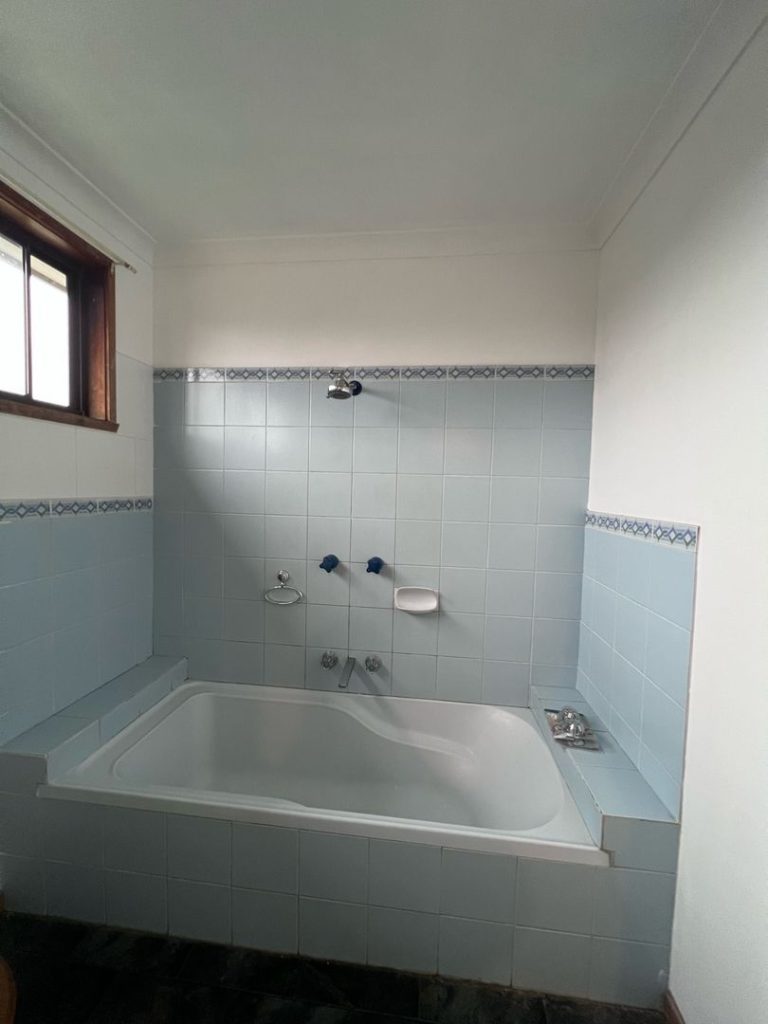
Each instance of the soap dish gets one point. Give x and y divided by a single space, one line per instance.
416 600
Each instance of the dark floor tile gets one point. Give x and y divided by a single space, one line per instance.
145 1000
451 1003
289 1011
578 1011
370 988
49 991
23 933
131 952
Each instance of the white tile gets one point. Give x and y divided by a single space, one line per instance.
516 452
265 920
333 931
460 635
245 403
244 447
462 590
507 639
373 495
506 683
548 961
136 901
404 875
328 626
478 950
286 494
370 589
72 832
330 449
465 545
287 448
76 892
370 629
468 451
265 858
283 665
204 403
421 450
328 536
460 679
514 499
509 593
414 634
134 840
380 405
328 587
469 403
403 939
333 867
466 498
642 844
630 973
199 849
199 911
285 536
417 542
414 675
634 905
330 494
478 885
288 403
518 403
39 458
422 403
555 896
375 449
373 537
106 463
419 497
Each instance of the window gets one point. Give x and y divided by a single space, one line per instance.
57 355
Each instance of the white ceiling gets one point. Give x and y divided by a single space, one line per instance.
230 118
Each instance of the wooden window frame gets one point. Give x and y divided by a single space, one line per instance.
92 315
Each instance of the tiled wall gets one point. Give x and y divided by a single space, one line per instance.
637 612
540 925
75 602
470 480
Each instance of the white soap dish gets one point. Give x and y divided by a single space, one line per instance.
416 600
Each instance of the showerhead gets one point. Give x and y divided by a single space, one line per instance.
343 388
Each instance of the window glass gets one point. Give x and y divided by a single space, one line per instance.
13 361
49 333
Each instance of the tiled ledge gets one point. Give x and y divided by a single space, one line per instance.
622 813
66 738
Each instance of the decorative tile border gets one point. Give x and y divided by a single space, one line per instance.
36 508
656 530
205 374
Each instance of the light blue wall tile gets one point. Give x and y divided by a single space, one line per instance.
414 634
245 403
330 449
199 849
507 639
327 625
328 587
240 535
203 490
136 901
469 404
203 447
634 561
373 537
243 620
468 451
421 450
667 657
413 675
204 404
287 448
265 858
511 546
506 683
568 404
368 589
134 840
381 405
663 729
422 403
671 583
330 494
68 541
555 642
199 911
370 629
563 501
565 453
516 452
419 497
460 679
75 653
285 494
333 931
558 595
465 545
514 499
463 590
169 403
518 403
627 692
460 635
288 403
509 593
265 921
375 450
404 876
75 892
373 495
603 612
630 973
202 577
478 885
479 950
559 548
244 492
26 612
606 557
629 637
286 536
466 499
284 665
667 787
551 961
555 896
403 939
634 905
333 867
244 447
417 542
642 844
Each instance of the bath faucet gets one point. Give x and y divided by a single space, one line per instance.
346 672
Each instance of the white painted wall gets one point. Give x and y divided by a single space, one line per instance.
681 432
50 460
386 300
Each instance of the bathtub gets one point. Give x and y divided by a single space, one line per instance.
464 776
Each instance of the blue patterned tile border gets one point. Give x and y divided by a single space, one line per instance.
322 372
523 371
678 534
35 508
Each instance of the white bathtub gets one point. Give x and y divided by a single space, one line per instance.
459 775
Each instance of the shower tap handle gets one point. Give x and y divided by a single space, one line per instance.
375 564
329 563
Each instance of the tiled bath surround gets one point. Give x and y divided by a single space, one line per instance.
472 480
637 613
539 925
75 601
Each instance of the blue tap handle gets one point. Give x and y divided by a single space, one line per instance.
375 564
329 563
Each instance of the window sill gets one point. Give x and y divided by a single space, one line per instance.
53 415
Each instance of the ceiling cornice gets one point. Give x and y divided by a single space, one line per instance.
729 31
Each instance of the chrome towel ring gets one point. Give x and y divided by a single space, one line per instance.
291 595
